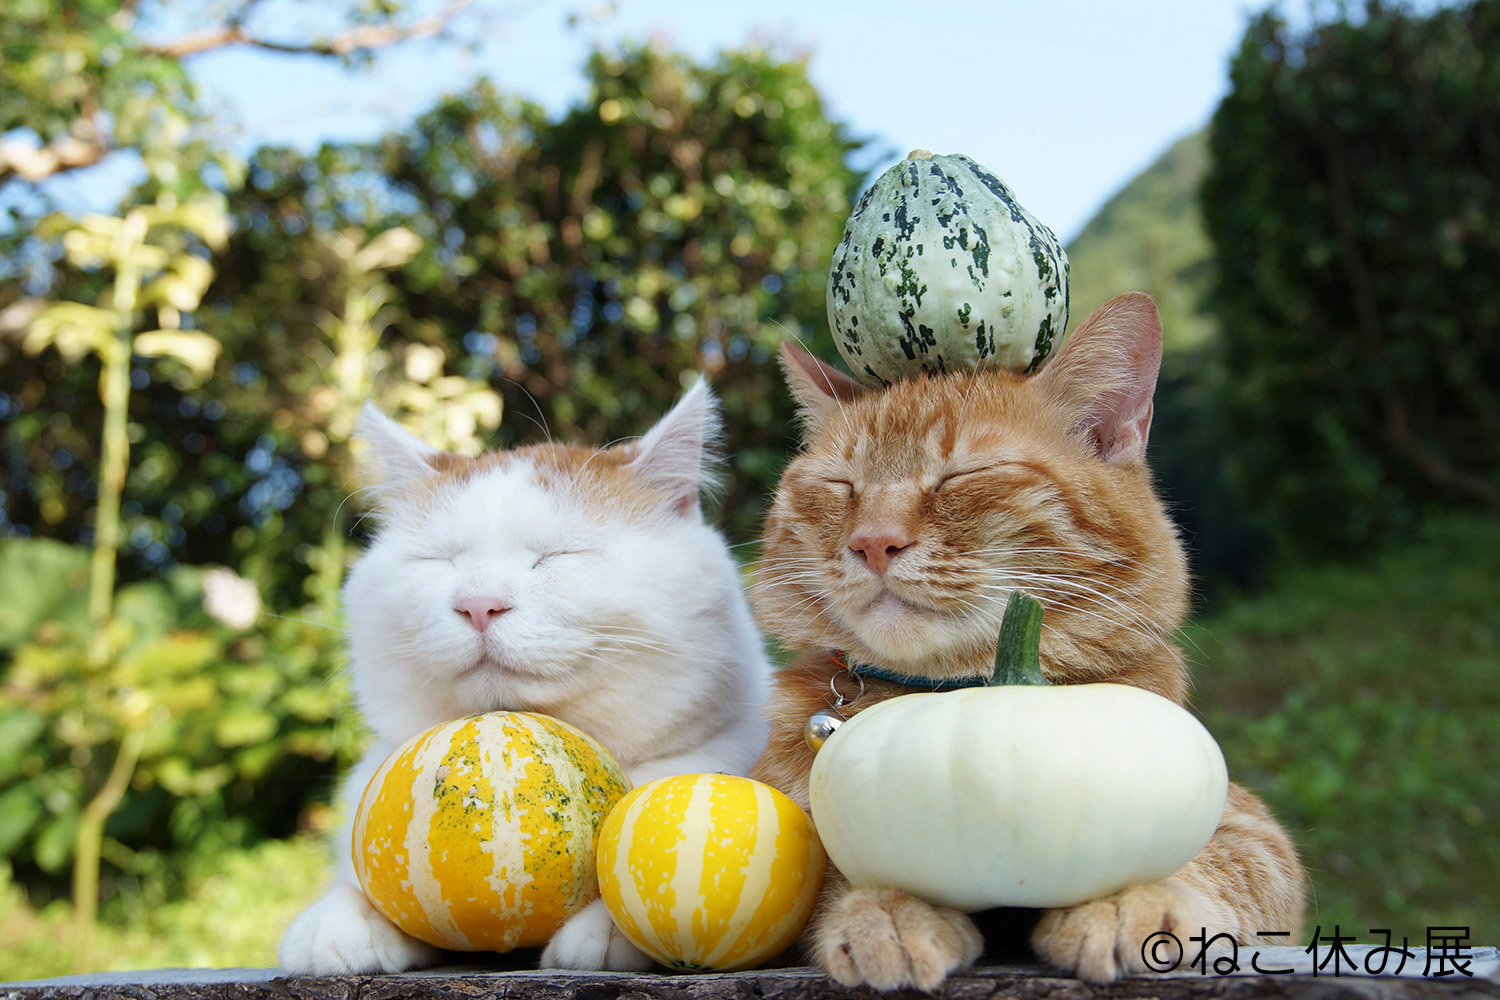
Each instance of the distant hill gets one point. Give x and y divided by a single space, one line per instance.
1149 237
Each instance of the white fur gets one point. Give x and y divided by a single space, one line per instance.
633 629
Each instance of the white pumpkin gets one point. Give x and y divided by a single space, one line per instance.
1017 794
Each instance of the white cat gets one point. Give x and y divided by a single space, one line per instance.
577 582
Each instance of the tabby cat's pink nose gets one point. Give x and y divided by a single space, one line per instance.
878 547
481 610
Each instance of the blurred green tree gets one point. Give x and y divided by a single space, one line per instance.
1353 201
679 220
97 94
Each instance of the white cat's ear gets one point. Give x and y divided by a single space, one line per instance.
1106 372
676 456
819 389
394 459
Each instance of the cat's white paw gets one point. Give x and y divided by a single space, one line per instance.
590 940
342 934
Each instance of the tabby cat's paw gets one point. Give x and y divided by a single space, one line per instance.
590 940
890 940
342 934
1104 939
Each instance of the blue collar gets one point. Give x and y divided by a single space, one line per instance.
907 680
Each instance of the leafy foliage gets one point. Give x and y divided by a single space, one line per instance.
240 729
578 269
79 88
1351 201
679 221
160 916
1360 702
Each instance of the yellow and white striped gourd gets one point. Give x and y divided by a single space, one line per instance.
478 835
709 871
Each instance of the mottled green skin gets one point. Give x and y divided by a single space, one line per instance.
941 269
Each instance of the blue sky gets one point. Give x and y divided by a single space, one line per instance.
1064 99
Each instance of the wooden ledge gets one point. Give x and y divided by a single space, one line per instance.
1022 982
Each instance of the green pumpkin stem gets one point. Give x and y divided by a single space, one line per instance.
1018 656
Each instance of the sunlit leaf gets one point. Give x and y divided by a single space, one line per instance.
181 285
75 329
205 217
41 578
198 351
244 725
53 847
391 248
20 809
19 730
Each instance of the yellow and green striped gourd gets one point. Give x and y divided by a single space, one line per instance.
709 871
478 835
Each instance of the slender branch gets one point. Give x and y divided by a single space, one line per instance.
360 38
19 158
1408 443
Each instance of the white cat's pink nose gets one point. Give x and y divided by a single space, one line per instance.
481 611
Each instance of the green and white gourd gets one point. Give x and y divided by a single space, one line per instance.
940 269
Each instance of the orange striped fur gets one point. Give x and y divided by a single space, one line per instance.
970 485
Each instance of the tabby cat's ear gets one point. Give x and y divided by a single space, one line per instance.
1106 374
394 459
819 389
677 457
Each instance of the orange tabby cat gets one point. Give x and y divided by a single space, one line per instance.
897 535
